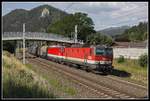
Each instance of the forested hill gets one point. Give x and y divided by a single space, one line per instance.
112 31
135 33
36 19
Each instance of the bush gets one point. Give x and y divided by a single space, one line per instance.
143 60
6 53
121 59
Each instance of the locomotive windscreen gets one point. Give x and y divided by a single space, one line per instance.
104 51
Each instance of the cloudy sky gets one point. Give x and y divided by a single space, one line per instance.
103 14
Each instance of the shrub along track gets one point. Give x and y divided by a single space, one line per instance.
106 86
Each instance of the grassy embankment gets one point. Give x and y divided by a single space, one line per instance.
55 80
52 79
138 73
21 82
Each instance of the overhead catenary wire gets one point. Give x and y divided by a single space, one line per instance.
119 17
122 22
68 7
129 13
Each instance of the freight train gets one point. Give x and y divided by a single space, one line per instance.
97 58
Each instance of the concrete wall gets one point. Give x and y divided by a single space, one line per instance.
132 53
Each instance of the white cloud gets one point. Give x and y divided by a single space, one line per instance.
106 14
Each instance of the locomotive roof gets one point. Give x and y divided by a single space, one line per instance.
102 46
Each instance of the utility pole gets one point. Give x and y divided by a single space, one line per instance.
75 38
24 43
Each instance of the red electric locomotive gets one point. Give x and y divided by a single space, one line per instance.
99 57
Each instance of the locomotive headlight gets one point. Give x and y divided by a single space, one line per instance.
105 62
108 62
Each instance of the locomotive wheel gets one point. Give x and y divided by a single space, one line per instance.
88 69
106 72
78 66
59 61
62 63
110 71
69 64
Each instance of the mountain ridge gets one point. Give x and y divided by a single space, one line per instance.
14 20
112 31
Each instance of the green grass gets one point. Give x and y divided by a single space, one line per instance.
21 82
138 73
55 82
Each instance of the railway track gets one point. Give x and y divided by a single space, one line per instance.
70 77
98 87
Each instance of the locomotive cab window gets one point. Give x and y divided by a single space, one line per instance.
109 51
100 51
104 51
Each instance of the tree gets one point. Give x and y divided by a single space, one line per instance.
99 39
9 46
136 33
66 25
143 60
